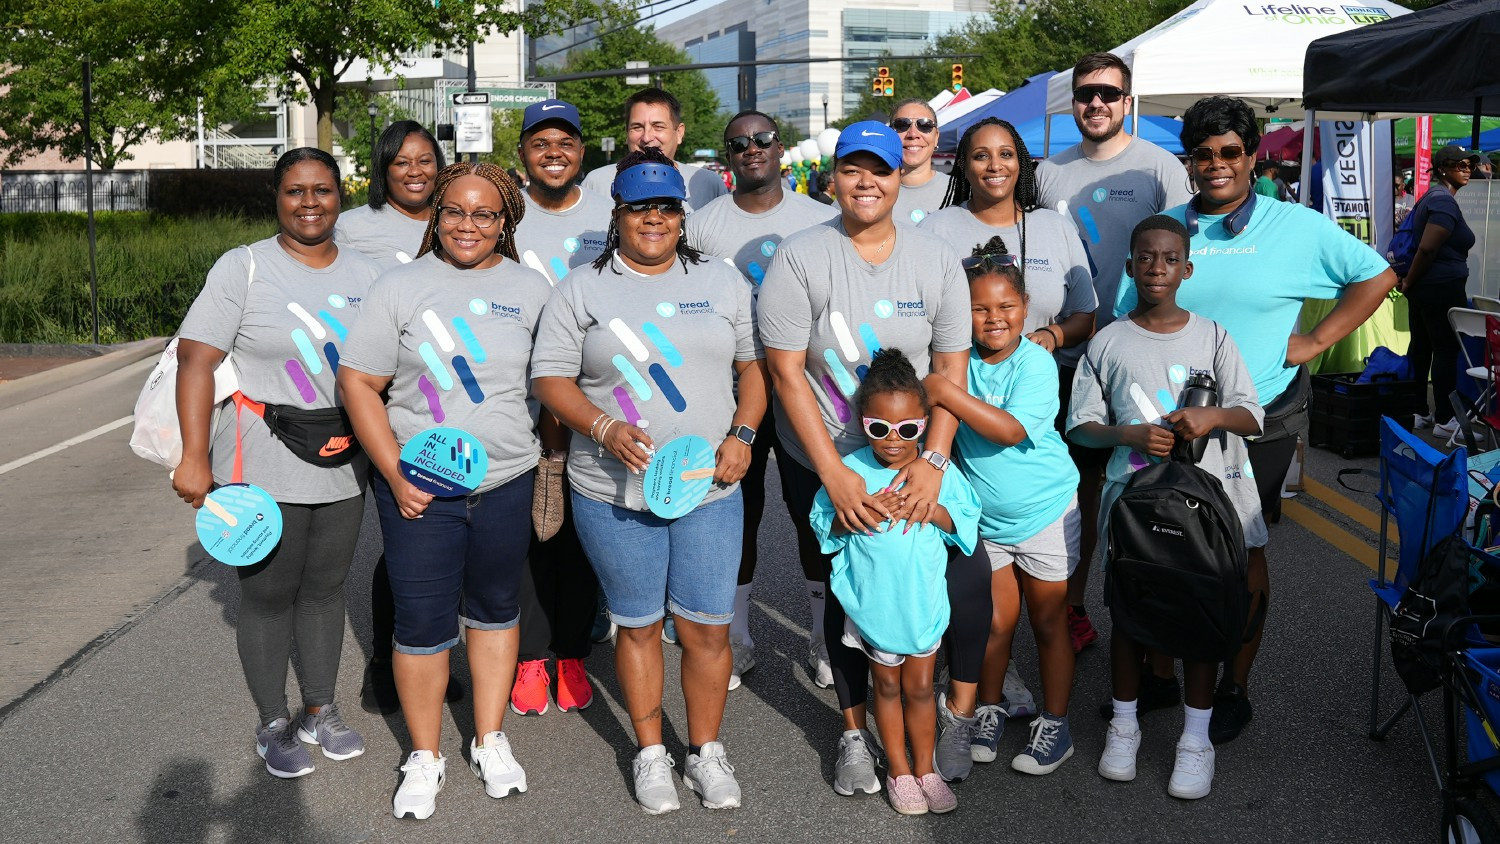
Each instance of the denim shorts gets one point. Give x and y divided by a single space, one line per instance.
461 563
644 562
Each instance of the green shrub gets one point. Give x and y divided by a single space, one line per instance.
150 269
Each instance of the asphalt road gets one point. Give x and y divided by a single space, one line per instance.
141 728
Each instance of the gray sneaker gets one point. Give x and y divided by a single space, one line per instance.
327 729
951 756
276 743
711 777
855 770
653 781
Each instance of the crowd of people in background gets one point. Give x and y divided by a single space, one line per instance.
955 373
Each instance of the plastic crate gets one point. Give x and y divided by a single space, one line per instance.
1345 416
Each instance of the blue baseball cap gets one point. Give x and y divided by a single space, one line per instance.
648 181
870 136
546 110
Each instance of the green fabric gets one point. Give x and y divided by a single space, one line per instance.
1386 327
1266 187
1446 129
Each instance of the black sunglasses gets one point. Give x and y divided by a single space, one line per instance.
997 261
666 207
1085 94
923 124
1231 152
741 143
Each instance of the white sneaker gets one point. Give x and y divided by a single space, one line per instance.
818 665
496 765
1015 698
653 781
711 777
1118 760
1419 422
1446 429
744 660
1193 774
421 780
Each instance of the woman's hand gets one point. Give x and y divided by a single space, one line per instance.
192 480
629 444
731 461
412 502
856 511
1148 438
920 482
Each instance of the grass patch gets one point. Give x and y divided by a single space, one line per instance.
151 268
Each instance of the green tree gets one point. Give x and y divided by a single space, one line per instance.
506 135
353 112
599 100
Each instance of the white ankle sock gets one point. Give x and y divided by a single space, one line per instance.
1195 722
1124 712
739 627
815 605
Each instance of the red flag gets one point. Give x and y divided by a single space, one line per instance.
1423 164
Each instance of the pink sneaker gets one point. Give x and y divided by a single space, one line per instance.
1081 631
906 795
939 796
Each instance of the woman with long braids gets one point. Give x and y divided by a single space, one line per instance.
637 353
453 561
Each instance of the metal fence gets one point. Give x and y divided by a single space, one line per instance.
72 195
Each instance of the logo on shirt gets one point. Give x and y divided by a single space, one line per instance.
918 215
884 308
913 308
703 307
666 309
507 311
478 307
1043 264
1226 250
571 244
768 248
1102 195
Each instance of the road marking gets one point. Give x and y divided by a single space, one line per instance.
68 443
781 619
1342 503
1332 533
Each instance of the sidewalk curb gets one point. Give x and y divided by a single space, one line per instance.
42 384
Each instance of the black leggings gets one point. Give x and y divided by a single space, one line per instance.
297 595
753 491
1433 343
558 593
968 595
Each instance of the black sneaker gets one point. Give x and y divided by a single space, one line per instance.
378 696
1156 693
1232 711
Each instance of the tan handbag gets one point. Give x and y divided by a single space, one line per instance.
547 498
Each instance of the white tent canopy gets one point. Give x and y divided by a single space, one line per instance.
1251 50
956 110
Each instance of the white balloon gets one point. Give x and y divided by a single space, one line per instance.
828 141
796 155
809 148
786 159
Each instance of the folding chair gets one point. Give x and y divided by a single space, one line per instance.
1468 322
1488 304
1426 492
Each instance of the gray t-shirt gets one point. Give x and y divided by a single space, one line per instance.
1057 270
703 184
821 297
1131 375
913 205
724 230
1105 199
556 242
659 348
457 344
384 235
284 332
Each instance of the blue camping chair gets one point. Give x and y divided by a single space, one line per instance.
1426 492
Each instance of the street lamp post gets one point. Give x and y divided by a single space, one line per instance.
373 111
825 111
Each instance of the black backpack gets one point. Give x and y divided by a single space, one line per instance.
1178 570
1438 594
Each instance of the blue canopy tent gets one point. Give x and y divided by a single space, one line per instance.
1489 141
1162 131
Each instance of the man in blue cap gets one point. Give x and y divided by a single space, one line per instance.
564 228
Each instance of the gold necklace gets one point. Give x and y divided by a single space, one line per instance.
879 249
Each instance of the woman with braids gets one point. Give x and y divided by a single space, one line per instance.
453 561
835 295
631 356
1009 449
992 192
249 305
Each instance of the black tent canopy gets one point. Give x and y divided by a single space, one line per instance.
1445 59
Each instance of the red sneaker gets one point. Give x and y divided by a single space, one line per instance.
573 688
528 695
1081 631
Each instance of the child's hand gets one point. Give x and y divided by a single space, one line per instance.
1148 438
894 502
1190 423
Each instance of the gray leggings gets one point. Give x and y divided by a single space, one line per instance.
297 595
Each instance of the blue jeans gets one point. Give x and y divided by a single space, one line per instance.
645 562
460 563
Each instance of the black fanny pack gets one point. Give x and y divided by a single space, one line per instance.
1286 416
322 437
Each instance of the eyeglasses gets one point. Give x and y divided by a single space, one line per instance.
923 124
665 207
1002 260
906 429
1085 94
451 216
1226 154
740 143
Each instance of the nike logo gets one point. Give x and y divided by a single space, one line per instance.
335 445
870 134
549 108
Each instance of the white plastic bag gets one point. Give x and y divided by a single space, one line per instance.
157 433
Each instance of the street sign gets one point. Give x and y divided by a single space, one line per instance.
472 98
641 79
607 144
472 129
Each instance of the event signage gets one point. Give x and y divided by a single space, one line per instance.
446 462
239 524
1357 178
679 476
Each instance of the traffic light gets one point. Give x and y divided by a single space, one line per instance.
958 77
883 85
877 87
890 87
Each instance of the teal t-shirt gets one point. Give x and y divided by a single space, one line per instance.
894 585
1024 487
1254 284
